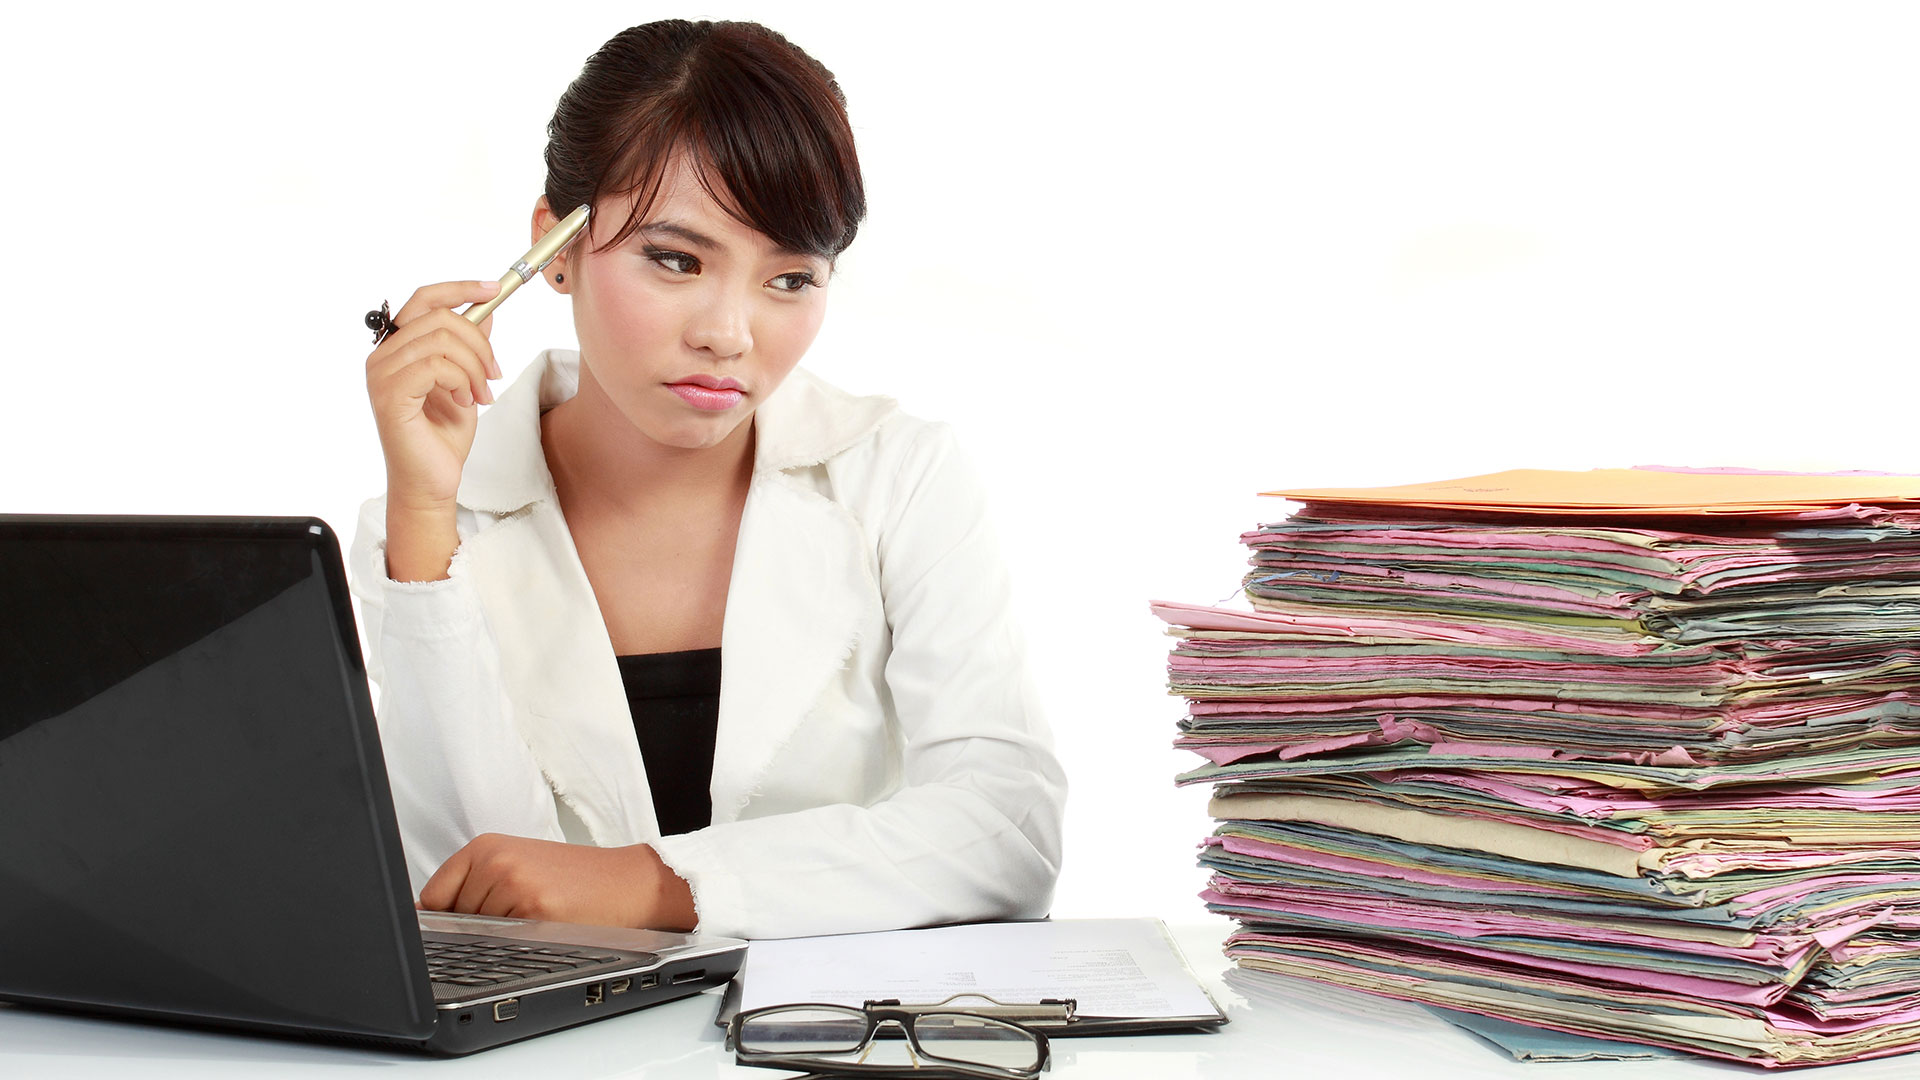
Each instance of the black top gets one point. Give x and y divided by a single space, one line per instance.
675 701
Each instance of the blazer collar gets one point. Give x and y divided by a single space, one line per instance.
804 423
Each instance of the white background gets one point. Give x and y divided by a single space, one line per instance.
1149 262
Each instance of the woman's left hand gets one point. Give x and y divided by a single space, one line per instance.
541 879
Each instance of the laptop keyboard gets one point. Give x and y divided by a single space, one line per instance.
465 962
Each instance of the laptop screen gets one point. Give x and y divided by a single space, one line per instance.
194 817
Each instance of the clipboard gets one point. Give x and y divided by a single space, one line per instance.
1073 1026
999 956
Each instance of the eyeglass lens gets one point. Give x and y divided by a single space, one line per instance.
976 1040
803 1031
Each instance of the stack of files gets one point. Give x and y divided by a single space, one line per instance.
1605 756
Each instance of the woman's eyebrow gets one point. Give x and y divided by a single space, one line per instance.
691 236
700 239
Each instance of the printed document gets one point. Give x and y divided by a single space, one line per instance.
1110 967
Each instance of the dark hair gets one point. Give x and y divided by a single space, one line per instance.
763 124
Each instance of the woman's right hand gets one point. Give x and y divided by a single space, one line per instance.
426 382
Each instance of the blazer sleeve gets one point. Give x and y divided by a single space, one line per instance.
974 832
456 764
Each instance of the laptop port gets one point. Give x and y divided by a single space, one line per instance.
506 1010
596 993
690 976
648 982
466 1018
619 986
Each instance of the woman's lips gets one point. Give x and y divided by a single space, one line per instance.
706 398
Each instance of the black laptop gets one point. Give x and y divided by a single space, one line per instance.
195 823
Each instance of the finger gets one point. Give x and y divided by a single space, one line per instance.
484 347
479 889
527 908
437 374
482 338
444 295
414 369
440 890
486 334
448 332
475 337
411 388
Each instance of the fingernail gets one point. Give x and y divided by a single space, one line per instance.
489 286
486 394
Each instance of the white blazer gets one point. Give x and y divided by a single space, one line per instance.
879 762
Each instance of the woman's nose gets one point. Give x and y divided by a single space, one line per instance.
722 325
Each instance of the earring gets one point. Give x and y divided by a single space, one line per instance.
559 279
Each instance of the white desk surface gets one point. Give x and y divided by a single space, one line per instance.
1287 1029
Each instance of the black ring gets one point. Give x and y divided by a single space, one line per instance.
380 322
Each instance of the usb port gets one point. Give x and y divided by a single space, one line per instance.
690 976
619 986
506 1010
596 993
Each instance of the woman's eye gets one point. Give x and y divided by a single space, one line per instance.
797 281
677 261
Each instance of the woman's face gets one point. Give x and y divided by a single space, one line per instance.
694 320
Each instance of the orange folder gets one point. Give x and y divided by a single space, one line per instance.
1605 492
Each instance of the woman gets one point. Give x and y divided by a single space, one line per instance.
547 591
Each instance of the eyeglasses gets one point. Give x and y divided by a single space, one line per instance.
935 1041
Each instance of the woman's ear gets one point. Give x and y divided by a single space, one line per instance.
543 223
